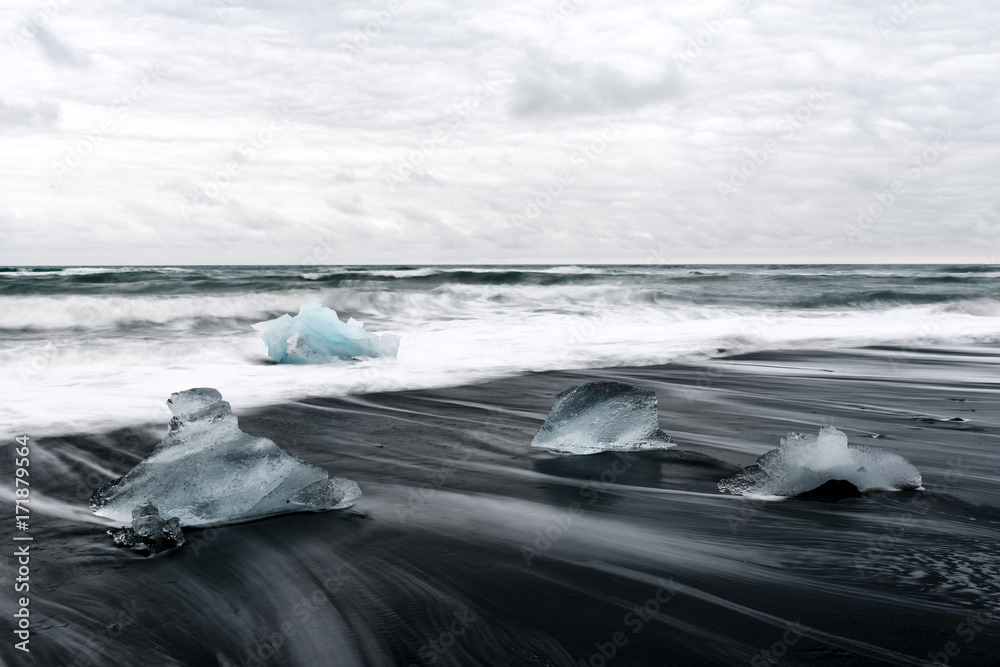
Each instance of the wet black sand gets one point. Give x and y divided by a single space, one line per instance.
469 548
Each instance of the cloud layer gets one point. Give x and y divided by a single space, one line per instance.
391 131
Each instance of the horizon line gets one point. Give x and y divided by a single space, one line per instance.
492 264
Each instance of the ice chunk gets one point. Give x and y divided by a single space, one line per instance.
804 462
149 532
208 472
600 417
317 336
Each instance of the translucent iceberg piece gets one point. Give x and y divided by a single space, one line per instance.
209 472
804 462
149 533
317 336
601 417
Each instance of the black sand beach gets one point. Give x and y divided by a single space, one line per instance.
470 548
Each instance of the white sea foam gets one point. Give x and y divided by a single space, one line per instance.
85 352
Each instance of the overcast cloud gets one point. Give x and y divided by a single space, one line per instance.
399 131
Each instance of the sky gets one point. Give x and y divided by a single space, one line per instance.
580 131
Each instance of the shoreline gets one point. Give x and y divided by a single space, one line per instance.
704 371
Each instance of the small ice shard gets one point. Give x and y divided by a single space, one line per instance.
804 462
149 532
601 417
209 472
317 336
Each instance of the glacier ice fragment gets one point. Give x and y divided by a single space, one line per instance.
317 336
601 417
209 472
804 462
149 533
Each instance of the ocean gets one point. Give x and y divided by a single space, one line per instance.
470 547
108 345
